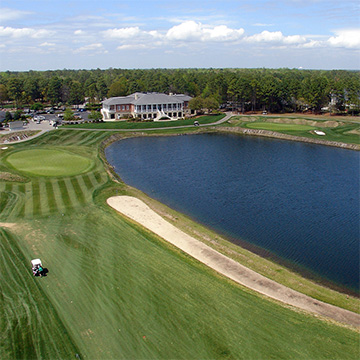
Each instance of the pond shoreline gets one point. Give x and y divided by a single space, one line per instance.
222 243
137 210
277 135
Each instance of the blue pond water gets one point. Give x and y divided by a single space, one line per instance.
300 202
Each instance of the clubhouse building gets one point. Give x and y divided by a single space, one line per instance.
146 106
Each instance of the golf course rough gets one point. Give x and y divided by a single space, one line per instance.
116 291
49 162
279 127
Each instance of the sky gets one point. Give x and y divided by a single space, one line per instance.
133 34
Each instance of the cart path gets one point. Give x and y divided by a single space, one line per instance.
138 211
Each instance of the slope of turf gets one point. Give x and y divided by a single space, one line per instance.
124 294
30 327
279 127
49 162
116 291
208 119
338 130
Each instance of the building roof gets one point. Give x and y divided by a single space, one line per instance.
183 97
16 124
147 99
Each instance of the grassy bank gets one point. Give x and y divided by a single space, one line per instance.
115 290
339 130
132 125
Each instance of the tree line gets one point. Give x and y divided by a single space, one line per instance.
273 90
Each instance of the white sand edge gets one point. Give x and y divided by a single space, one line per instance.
138 211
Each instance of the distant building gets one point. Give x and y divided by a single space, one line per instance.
16 125
146 106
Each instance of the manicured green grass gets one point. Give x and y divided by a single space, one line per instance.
147 124
31 327
339 130
279 127
116 291
49 162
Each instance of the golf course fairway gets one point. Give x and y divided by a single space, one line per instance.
49 162
115 290
278 126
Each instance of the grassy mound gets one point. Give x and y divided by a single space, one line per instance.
49 162
208 119
336 129
116 291
279 127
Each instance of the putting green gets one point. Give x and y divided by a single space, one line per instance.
49 162
278 126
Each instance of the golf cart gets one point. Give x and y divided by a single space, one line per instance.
37 267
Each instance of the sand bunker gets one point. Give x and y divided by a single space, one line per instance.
138 211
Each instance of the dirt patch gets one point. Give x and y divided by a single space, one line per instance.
8 225
17 136
355 131
6 176
327 124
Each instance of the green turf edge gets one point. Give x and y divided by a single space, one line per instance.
218 346
337 135
31 331
147 125
267 267
11 156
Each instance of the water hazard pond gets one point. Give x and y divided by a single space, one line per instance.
298 201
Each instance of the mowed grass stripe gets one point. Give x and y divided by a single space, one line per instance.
50 195
3 199
78 190
56 188
7 203
72 193
102 135
36 198
83 138
100 178
92 179
87 182
31 327
62 137
85 188
18 209
44 198
70 137
50 138
28 200
53 138
95 137
92 137
65 194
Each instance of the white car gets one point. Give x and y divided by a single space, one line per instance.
36 262
37 268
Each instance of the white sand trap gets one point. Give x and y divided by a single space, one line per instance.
138 211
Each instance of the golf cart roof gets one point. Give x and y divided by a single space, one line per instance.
36 262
